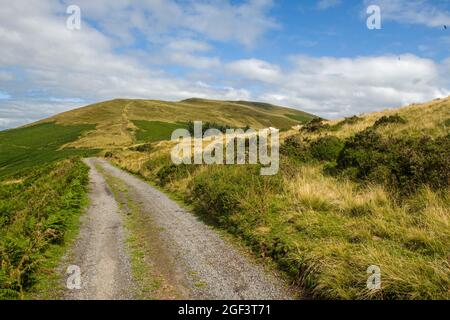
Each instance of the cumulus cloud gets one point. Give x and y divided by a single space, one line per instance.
255 69
14 113
424 12
83 64
218 20
6 76
335 87
34 33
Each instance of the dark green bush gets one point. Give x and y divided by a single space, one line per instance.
108 154
208 125
423 161
297 148
347 121
215 197
171 172
362 153
315 125
326 148
350 120
220 192
212 125
384 120
403 163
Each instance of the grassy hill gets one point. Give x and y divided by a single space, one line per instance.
367 190
122 123
119 123
24 148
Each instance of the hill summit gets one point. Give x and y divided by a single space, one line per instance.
120 122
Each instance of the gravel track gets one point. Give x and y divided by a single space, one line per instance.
99 249
205 264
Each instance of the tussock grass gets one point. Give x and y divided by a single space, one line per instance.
421 119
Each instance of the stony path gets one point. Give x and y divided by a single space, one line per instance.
99 250
203 265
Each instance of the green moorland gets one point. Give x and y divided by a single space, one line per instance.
152 131
24 148
39 211
42 193
351 193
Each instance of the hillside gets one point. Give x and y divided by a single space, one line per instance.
351 193
118 122
122 123
431 118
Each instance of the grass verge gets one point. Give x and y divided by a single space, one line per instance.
39 216
323 231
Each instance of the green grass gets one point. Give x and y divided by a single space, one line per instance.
325 233
24 148
41 196
303 118
153 131
325 230
39 213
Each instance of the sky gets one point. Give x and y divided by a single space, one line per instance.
314 55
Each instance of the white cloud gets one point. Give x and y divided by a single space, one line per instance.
255 69
188 45
184 53
66 66
422 12
14 113
335 87
6 76
82 64
218 20
4 95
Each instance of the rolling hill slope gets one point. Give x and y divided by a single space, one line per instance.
118 121
121 123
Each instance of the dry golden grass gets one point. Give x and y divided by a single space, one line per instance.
333 228
115 129
349 228
427 118
10 182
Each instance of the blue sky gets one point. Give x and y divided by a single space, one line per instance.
314 55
